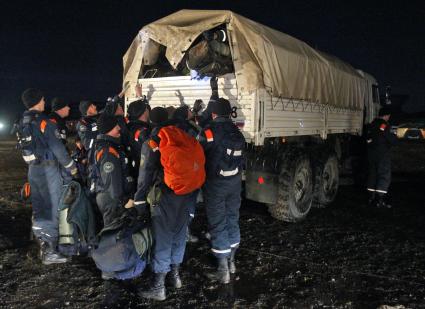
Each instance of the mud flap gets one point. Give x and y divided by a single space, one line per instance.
261 186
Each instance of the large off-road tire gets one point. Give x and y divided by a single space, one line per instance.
326 183
295 194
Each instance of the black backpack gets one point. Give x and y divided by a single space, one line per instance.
30 139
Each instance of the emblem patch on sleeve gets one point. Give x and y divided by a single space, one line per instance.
108 167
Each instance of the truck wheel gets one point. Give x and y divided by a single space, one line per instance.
295 194
326 180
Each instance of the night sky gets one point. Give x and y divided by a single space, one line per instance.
74 49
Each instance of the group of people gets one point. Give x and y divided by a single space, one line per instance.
149 166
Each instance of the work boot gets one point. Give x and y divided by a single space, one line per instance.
50 256
232 266
107 275
157 289
371 198
222 273
381 202
174 276
190 237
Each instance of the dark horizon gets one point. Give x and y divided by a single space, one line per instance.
74 49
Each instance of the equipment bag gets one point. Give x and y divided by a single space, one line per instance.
183 160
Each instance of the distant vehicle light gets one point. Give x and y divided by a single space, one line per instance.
1 126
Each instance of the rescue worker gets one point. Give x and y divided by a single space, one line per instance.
60 110
114 107
202 119
223 144
379 143
113 183
43 151
169 217
184 118
138 114
80 157
87 126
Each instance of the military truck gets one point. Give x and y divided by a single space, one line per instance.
299 109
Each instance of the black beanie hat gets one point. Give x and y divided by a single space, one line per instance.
136 109
158 115
384 111
58 103
31 97
84 106
181 112
221 107
106 123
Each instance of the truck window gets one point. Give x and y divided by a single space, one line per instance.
375 94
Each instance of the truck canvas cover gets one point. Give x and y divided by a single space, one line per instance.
263 58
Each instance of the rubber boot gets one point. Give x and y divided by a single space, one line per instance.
157 289
371 198
222 273
50 256
381 201
190 237
232 265
174 276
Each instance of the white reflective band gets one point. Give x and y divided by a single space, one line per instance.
381 191
126 160
92 187
224 35
29 158
210 139
94 128
63 136
373 190
129 179
27 139
369 141
192 215
220 251
36 228
70 164
229 173
139 202
155 149
91 143
236 153
382 129
234 245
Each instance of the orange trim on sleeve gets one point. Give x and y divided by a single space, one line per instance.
114 152
152 144
209 135
137 134
99 155
43 125
53 120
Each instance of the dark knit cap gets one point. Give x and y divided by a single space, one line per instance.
106 123
31 97
384 111
181 112
221 107
84 106
158 115
58 103
136 109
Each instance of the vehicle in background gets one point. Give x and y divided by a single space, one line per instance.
302 111
410 130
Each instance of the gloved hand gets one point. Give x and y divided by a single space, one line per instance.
75 175
197 106
129 204
213 83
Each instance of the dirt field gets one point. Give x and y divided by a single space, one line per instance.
344 256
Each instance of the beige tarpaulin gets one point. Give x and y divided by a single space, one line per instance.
263 58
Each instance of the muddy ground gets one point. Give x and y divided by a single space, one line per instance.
345 256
